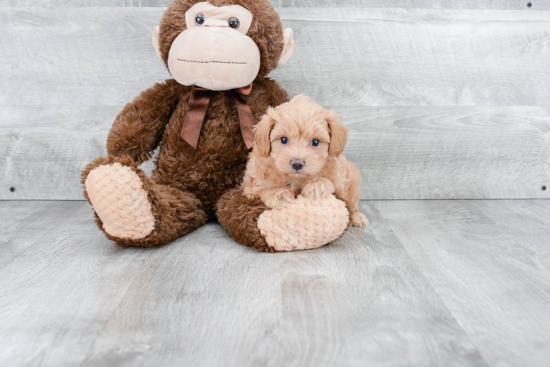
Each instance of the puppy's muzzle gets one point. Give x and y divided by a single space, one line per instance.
297 164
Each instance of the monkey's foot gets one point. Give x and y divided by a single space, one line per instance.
119 199
304 224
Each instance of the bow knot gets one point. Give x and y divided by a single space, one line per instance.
195 116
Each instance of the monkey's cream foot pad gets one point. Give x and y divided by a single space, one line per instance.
304 224
118 197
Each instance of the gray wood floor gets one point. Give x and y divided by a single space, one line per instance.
430 283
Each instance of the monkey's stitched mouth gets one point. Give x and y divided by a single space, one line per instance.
214 62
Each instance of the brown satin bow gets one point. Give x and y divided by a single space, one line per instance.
195 116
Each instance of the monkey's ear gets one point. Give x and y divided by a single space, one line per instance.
156 43
288 47
262 133
338 135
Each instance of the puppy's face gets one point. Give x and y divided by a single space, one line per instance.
299 136
299 147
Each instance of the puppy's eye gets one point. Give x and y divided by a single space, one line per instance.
199 19
284 141
233 23
315 143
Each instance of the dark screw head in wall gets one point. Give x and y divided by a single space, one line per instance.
12 189
543 188
529 5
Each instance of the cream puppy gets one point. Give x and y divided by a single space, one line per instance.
298 150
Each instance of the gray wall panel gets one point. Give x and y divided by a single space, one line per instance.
425 92
343 57
402 152
427 4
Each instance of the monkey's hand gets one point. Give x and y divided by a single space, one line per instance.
276 197
319 188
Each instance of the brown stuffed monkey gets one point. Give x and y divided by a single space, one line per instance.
219 53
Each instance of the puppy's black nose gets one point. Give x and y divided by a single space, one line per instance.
297 164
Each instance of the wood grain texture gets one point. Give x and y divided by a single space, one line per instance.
343 57
43 150
450 152
411 4
83 3
23 223
425 92
401 152
73 298
77 56
417 57
445 283
490 263
435 4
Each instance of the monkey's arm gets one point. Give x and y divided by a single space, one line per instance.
138 129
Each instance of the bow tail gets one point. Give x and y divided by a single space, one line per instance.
246 119
195 117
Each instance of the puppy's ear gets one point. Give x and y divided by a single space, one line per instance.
338 135
262 132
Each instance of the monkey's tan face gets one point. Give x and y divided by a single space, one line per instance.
215 52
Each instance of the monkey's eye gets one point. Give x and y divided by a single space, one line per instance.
315 143
199 19
233 23
284 141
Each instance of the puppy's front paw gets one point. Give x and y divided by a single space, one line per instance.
359 220
276 197
318 189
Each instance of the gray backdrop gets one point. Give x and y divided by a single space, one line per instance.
444 99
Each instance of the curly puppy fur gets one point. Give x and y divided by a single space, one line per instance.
187 185
298 150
